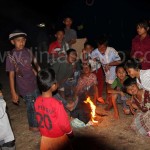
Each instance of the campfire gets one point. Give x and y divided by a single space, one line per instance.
93 108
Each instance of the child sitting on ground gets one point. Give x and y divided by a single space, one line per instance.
96 68
117 95
141 103
87 84
53 121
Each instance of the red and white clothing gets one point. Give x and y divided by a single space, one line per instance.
52 118
86 82
141 120
56 48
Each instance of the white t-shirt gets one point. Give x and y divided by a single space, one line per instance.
110 55
6 134
145 79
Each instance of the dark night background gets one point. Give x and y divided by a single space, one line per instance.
116 18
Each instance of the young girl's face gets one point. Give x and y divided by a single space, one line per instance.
121 73
19 42
141 30
132 89
86 69
88 48
132 72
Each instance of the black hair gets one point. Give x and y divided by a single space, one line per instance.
128 82
59 30
133 63
103 39
143 23
46 78
88 43
88 64
119 66
68 16
71 50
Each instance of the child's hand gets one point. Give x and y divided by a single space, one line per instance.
15 98
107 68
122 94
34 71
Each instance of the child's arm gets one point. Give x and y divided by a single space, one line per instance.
64 121
110 90
34 60
14 95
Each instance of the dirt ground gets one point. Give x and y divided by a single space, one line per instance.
109 134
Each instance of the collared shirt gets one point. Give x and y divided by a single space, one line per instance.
110 55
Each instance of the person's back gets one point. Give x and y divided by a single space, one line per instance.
53 121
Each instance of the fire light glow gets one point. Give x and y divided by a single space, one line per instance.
93 107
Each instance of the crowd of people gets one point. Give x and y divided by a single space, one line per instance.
55 95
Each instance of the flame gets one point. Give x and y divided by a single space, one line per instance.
93 107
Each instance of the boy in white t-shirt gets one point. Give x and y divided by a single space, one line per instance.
109 59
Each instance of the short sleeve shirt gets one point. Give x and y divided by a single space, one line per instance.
110 55
27 83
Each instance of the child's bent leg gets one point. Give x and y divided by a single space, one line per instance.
109 99
100 77
116 112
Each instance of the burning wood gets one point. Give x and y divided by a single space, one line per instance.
93 108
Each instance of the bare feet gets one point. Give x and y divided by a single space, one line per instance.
116 116
101 100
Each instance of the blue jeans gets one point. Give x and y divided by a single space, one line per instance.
29 100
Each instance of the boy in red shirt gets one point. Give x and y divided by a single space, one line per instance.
53 121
